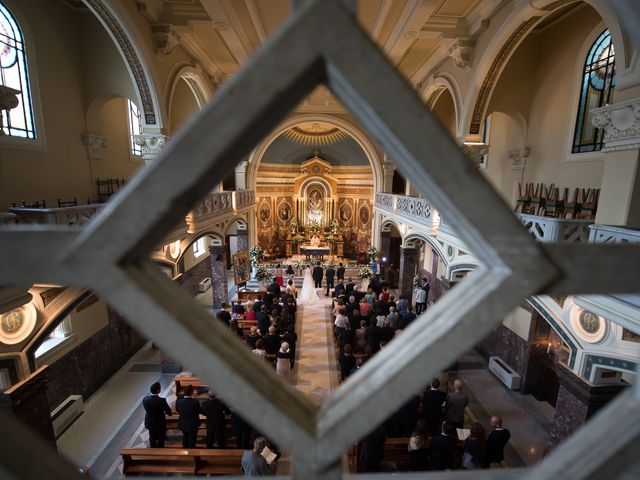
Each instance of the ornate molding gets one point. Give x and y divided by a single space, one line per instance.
150 9
150 143
388 168
94 144
462 52
132 58
621 125
518 157
494 71
165 39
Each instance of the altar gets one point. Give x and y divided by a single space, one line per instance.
314 251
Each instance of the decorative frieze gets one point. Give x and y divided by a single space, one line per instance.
621 125
95 145
518 157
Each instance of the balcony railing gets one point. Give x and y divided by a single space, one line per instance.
212 204
413 208
78 215
8 218
550 229
609 234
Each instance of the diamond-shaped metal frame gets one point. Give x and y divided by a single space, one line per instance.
321 43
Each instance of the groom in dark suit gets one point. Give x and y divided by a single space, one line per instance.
317 275
330 274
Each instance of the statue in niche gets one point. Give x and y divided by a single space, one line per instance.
315 205
345 213
284 212
264 213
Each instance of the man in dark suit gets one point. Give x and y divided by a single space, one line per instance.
340 272
443 448
274 289
340 290
496 442
263 320
330 274
349 288
189 421
214 410
258 304
317 275
154 419
432 401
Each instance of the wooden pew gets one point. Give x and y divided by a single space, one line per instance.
395 449
195 461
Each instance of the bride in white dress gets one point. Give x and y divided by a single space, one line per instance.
308 294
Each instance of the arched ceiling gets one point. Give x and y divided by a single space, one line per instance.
303 141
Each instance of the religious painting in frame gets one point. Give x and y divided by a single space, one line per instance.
345 212
284 211
264 212
363 215
241 268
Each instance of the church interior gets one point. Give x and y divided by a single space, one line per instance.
463 176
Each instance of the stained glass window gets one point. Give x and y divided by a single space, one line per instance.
17 122
598 85
135 126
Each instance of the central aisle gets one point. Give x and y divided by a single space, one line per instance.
316 364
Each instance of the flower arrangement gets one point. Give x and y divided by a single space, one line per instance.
365 273
262 274
297 238
302 264
416 280
372 252
334 225
315 227
294 225
256 254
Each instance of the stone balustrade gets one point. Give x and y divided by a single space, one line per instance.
610 234
71 216
414 208
550 229
8 218
243 199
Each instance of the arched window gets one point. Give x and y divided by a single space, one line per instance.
598 85
135 127
17 122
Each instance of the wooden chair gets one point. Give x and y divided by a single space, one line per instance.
68 203
572 206
37 204
524 200
104 189
553 205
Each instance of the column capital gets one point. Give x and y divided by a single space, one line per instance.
462 52
476 151
95 144
518 157
621 125
388 168
151 144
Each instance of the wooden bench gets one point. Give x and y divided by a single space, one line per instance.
395 449
195 461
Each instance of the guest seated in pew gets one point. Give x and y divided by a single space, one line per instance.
238 311
233 326
253 463
347 363
371 450
249 314
257 305
224 316
349 287
291 337
365 308
475 446
214 410
155 408
252 337
340 290
242 431
354 319
264 322
418 448
443 448
361 342
272 341
259 350
352 305
189 421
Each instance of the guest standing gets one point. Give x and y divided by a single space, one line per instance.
253 463
214 410
496 442
283 362
330 274
317 275
189 421
156 407
457 401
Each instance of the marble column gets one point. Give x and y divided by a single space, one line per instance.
241 175
243 240
408 267
218 276
577 402
27 400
